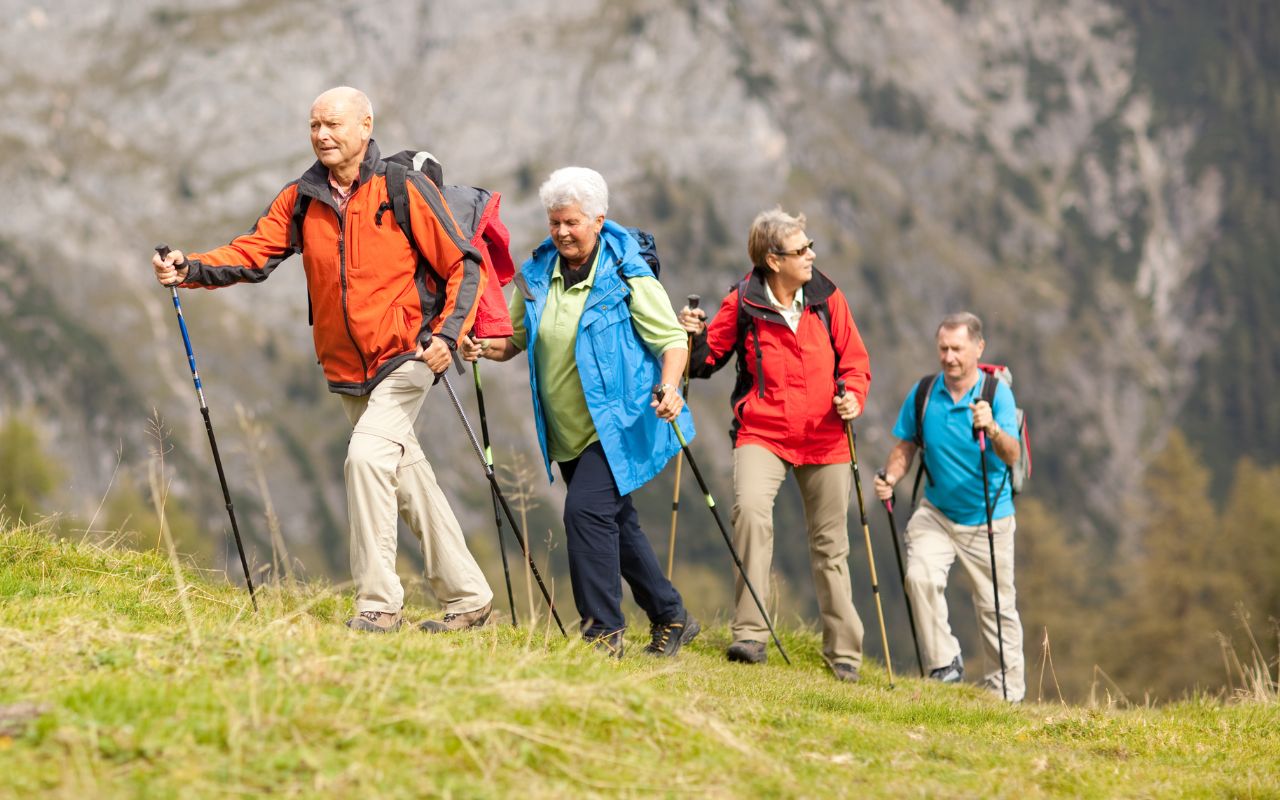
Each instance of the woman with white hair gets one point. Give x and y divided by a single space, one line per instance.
600 333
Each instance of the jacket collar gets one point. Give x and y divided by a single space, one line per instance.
816 292
317 176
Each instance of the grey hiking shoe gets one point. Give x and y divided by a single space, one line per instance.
376 622
845 673
745 651
458 622
666 638
951 673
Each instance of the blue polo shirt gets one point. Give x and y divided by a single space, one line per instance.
951 451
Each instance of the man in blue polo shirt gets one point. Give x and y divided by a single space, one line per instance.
951 523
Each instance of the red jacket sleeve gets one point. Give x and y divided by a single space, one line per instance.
854 364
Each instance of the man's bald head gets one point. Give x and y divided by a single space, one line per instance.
341 124
348 99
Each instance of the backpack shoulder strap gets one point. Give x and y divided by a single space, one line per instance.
300 206
398 196
745 321
989 382
924 388
824 313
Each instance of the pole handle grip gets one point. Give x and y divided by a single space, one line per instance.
163 250
658 392
840 388
882 475
694 300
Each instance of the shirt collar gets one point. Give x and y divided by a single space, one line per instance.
796 305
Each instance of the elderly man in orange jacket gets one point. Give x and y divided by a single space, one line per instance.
386 317
795 337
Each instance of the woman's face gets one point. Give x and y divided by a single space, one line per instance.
574 233
793 261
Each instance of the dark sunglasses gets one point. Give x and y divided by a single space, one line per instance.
797 252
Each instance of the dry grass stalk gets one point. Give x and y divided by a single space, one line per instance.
159 497
256 451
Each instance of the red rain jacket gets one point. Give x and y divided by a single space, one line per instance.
783 399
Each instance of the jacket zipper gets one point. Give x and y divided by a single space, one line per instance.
346 317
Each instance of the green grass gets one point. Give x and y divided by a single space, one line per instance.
136 701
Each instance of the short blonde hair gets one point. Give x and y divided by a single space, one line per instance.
768 230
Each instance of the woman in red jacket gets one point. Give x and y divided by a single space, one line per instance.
794 337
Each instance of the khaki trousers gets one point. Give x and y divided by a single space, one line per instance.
386 472
757 475
934 543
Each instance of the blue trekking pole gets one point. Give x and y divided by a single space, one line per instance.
728 540
163 250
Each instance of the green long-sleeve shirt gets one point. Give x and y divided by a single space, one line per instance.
569 425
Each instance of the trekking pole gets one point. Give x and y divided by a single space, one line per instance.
497 492
163 250
728 540
866 535
493 492
675 493
991 544
902 573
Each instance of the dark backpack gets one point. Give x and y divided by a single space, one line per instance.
1017 474
475 210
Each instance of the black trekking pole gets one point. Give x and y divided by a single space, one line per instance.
902 573
497 492
728 540
866 535
675 493
991 543
163 250
493 492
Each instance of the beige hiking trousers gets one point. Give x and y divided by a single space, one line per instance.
824 488
386 472
934 543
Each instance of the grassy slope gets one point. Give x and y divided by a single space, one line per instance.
140 702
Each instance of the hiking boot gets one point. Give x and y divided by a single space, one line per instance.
666 638
845 673
376 621
458 622
745 651
609 643
951 673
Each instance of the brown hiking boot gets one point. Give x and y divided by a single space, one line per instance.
376 621
846 673
745 651
458 622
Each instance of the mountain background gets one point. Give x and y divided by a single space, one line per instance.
1099 181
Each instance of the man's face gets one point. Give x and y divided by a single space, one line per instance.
957 353
573 232
339 132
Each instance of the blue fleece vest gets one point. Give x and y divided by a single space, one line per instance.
617 370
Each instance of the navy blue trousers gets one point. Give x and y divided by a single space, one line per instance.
605 545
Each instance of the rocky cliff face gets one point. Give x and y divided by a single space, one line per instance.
995 156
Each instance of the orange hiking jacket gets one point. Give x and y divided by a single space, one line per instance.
373 299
